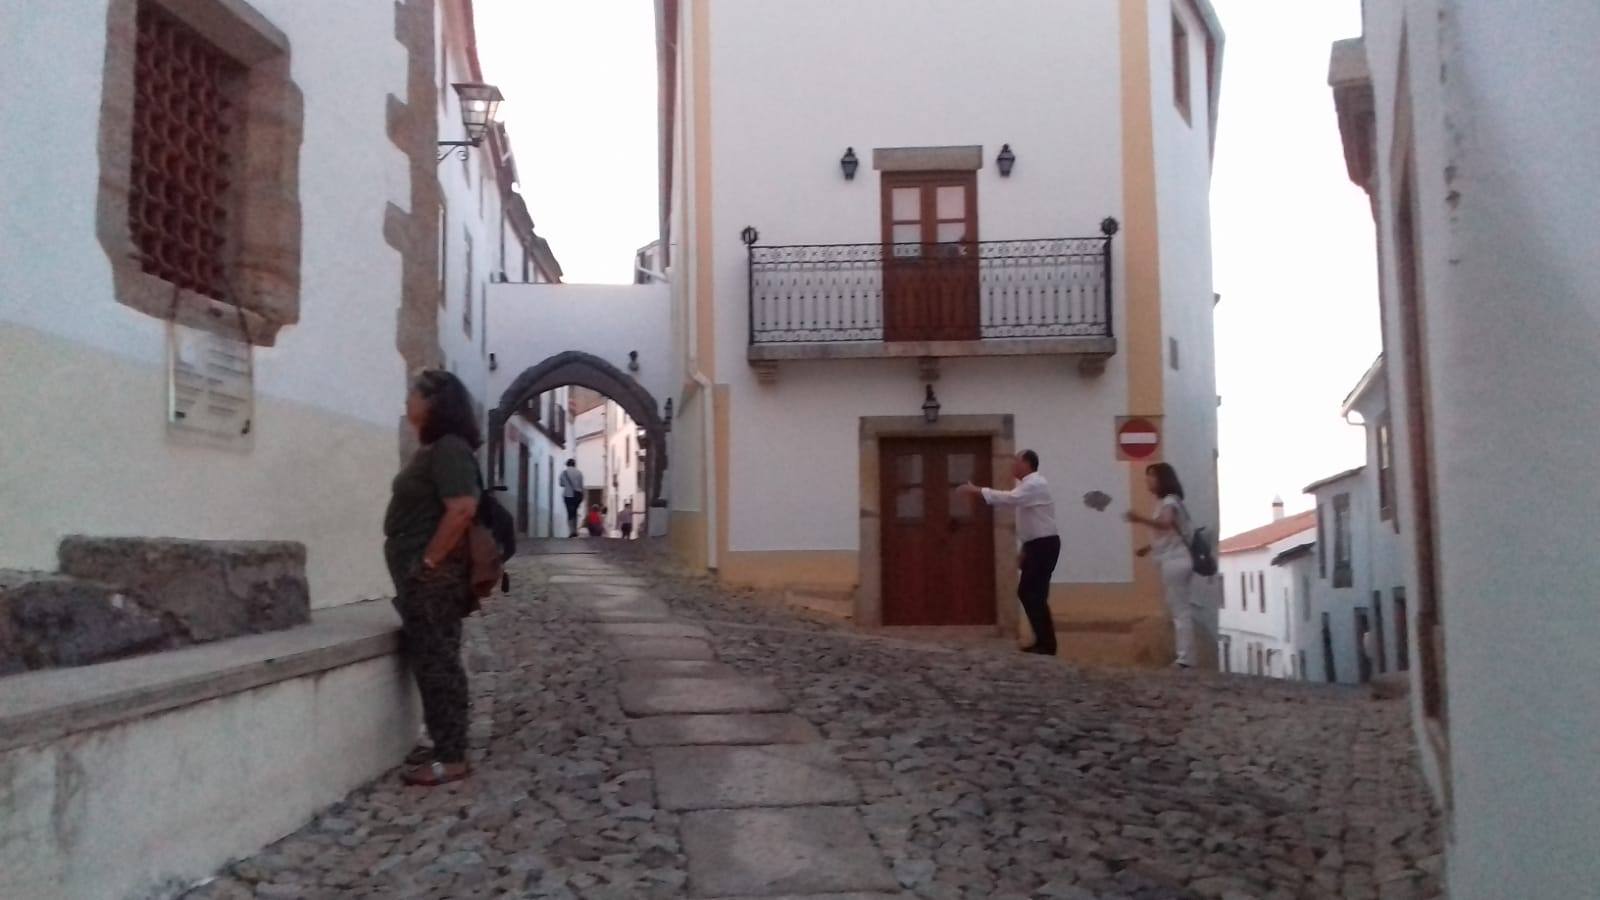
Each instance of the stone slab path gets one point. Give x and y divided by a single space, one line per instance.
772 807
610 767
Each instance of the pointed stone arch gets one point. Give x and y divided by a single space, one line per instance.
574 367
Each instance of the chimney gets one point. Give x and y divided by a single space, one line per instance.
1277 508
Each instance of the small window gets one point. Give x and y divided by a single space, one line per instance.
1305 598
1385 471
1342 576
1172 353
1261 591
1322 543
1180 65
1244 592
466 299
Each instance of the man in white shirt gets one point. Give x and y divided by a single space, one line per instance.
1041 543
572 493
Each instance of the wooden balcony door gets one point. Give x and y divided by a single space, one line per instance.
938 547
930 256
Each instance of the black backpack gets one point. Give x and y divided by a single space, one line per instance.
1201 554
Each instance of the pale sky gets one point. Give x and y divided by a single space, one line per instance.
1292 237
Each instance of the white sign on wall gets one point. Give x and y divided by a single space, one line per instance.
210 385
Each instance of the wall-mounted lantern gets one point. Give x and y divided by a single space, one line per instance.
633 360
849 163
930 407
749 235
493 363
1005 161
666 416
479 103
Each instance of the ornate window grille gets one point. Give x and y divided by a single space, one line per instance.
185 118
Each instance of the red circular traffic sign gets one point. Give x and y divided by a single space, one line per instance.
1138 438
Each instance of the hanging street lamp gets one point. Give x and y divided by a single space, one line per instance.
479 104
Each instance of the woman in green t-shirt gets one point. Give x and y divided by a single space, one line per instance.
434 500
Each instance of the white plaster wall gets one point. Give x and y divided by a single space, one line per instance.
544 456
83 383
1183 215
1273 627
472 203
146 808
588 434
533 322
1505 137
1340 603
795 444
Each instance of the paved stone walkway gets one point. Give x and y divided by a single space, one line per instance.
638 735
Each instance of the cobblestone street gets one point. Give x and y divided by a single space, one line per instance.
821 760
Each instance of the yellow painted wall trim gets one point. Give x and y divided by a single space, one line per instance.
829 570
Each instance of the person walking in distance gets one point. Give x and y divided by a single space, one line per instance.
1041 543
1170 524
626 523
572 493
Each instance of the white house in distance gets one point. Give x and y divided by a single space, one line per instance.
896 298
1255 633
1471 128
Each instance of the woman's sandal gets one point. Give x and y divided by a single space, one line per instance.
419 755
435 773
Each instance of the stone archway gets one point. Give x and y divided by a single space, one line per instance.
574 367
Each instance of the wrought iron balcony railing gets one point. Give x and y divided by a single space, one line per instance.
989 290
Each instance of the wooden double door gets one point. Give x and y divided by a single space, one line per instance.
930 265
938 546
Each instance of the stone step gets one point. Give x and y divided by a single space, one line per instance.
652 669
776 852
746 728
630 647
654 629
701 696
694 778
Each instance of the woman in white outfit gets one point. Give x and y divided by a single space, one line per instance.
1170 523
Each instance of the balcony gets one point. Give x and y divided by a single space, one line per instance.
1048 296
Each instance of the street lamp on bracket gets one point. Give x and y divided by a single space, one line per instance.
479 103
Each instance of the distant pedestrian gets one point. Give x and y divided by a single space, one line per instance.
572 493
596 522
434 501
1171 524
627 519
1041 543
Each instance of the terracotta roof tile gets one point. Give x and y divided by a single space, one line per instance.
1271 533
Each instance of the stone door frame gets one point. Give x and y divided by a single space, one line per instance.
1000 430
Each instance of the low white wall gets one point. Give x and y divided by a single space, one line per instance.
147 807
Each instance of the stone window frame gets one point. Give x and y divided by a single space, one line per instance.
264 234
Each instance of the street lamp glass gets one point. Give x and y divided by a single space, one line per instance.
930 407
479 104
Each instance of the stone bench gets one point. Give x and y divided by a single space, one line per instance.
138 777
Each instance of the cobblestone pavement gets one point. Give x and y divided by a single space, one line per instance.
977 771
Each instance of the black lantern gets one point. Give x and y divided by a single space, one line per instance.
749 235
666 416
930 407
848 163
1005 161
479 103
633 360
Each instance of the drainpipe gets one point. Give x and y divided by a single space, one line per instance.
708 433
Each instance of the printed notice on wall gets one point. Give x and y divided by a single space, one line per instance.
210 393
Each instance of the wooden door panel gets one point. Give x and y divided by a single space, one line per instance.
938 547
930 259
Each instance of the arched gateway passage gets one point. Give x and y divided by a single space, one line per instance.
575 367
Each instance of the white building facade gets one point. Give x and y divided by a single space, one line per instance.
1256 627
1471 127
951 254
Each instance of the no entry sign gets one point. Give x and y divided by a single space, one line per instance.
1137 438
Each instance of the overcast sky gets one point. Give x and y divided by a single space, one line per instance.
1292 237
